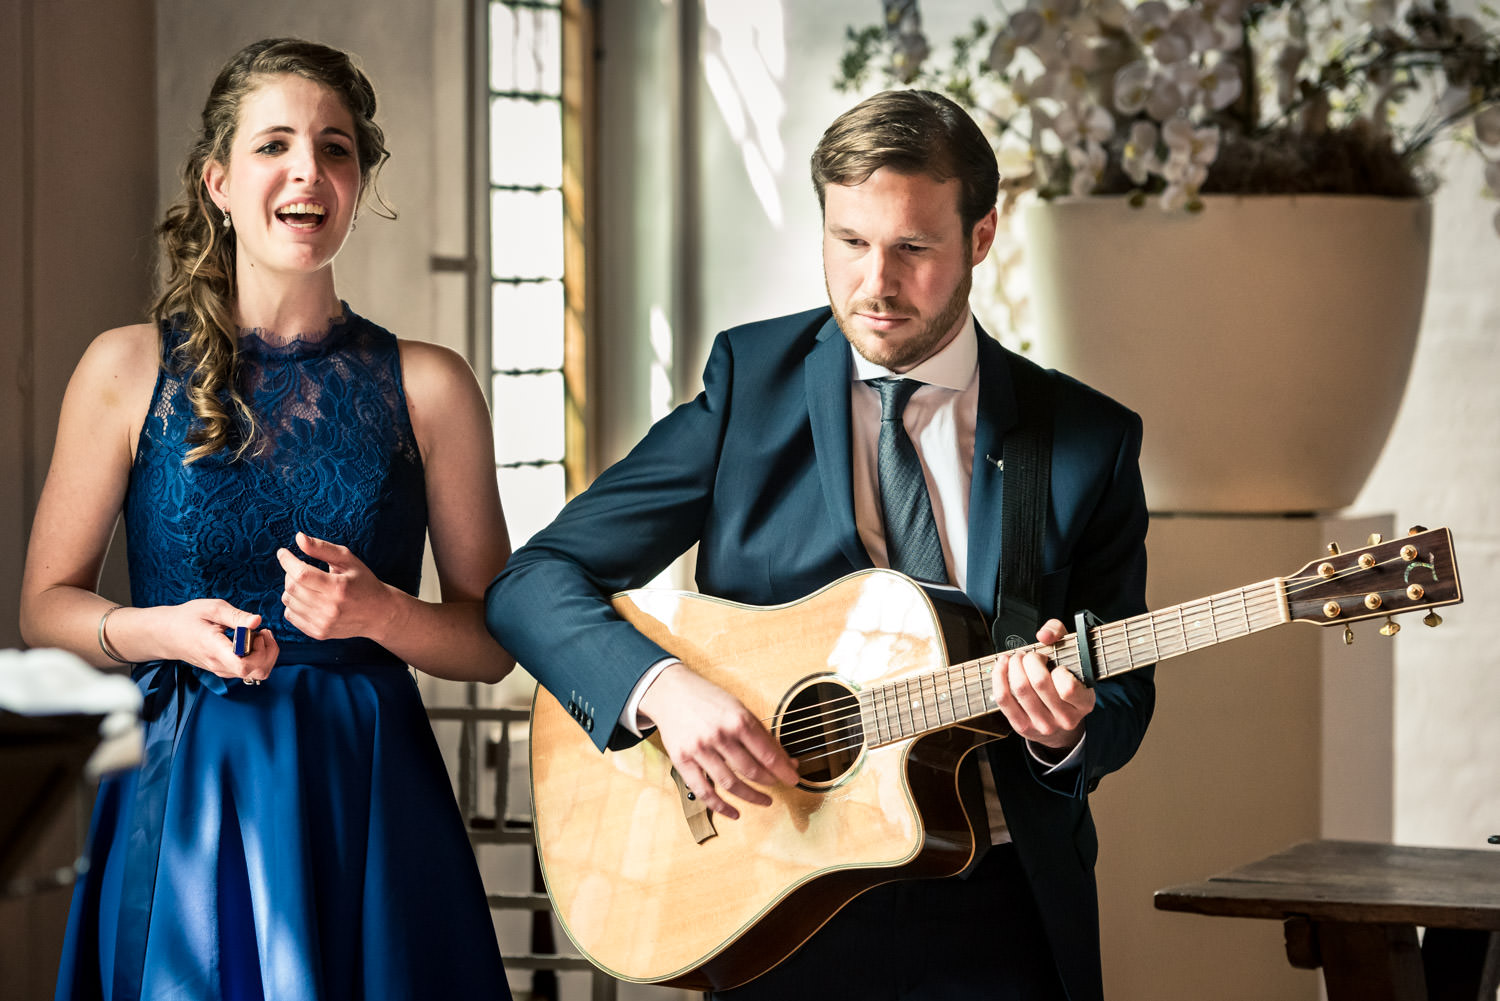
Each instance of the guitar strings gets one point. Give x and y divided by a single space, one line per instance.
1254 603
896 704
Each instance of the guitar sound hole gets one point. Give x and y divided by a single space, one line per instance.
821 728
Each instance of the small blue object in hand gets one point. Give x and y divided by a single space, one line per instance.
241 641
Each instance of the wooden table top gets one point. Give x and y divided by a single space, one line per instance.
1354 882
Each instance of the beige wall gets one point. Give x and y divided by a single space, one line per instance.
79 191
78 182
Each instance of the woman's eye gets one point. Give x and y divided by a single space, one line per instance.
336 150
274 146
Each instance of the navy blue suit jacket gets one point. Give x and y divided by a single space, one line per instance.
756 471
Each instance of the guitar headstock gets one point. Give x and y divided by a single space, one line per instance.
1382 579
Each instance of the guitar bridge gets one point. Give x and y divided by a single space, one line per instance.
700 819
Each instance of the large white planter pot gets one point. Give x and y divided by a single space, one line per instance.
1265 341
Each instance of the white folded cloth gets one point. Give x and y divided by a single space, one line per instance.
56 683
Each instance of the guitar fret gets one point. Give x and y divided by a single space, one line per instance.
980 673
869 714
907 717
887 729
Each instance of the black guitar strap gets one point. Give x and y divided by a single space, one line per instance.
1027 463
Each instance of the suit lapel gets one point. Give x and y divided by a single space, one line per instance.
997 414
827 374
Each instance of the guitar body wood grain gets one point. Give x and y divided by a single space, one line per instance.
645 902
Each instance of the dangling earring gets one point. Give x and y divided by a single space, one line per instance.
227 223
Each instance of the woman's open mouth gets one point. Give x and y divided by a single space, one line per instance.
307 216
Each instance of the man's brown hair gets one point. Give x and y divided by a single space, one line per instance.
911 132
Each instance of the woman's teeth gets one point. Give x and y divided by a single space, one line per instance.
302 214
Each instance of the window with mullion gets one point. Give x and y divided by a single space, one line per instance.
527 289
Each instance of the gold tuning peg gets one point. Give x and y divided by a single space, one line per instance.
1376 538
1416 530
1333 549
1432 619
1391 627
1348 636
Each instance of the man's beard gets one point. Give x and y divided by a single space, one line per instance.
914 349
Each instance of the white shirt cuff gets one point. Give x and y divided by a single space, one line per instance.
1074 758
630 716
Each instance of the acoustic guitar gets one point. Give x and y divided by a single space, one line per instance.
877 691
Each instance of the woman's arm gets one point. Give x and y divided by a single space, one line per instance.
466 526
102 413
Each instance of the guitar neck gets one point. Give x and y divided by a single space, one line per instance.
933 700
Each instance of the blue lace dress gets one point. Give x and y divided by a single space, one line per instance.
296 839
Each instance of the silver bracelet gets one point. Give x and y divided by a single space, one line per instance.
109 651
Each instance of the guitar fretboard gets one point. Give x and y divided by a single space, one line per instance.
932 700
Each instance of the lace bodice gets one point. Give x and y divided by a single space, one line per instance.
338 460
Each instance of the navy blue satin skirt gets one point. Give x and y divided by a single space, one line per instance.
294 840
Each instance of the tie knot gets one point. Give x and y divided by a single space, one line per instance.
893 395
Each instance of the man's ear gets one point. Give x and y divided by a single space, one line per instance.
984 235
216 180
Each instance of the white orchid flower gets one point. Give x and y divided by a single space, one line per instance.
1149 21
1015 161
1172 47
1132 87
1021 31
1189 23
1184 176
1165 99
996 97
1189 145
1097 124
1066 126
1173 197
1080 45
1112 14
1152 26
1027 25
1139 158
1088 163
1068 83
1220 84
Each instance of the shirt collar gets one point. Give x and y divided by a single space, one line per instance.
952 368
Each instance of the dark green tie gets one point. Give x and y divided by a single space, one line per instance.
911 537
